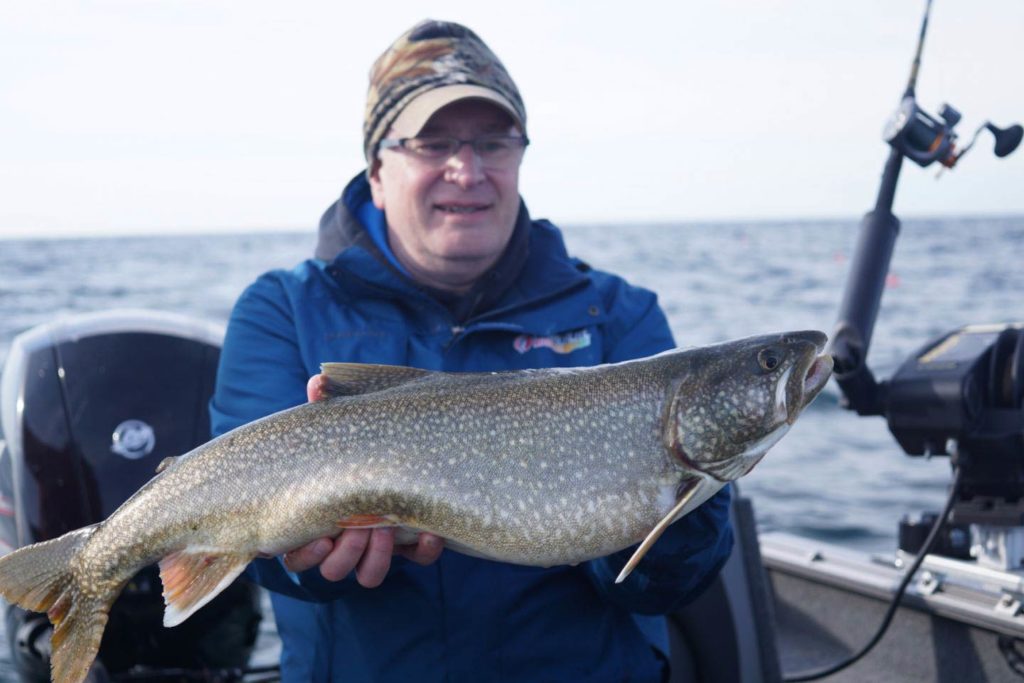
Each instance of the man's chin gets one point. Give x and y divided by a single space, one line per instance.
468 241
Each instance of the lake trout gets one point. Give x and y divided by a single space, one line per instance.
534 467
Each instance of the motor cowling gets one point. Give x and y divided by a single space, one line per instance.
90 405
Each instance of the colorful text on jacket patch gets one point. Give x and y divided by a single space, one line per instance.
559 343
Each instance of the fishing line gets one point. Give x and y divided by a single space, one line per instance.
933 535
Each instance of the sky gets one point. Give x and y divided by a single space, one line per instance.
153 116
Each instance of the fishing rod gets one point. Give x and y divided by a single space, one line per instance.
913 134
961 395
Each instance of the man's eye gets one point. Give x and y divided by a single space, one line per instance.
432 146
492 145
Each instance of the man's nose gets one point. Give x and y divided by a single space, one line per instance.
464 168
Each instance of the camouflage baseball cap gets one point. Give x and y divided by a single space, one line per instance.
433 64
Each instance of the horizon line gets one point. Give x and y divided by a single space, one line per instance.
654 223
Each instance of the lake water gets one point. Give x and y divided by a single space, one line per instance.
835 477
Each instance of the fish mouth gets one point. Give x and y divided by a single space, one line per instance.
809 373
817 376
814 371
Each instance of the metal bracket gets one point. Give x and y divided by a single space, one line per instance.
929 583
1009 604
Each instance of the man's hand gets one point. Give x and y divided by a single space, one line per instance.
368 551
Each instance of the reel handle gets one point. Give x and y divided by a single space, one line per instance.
1007 139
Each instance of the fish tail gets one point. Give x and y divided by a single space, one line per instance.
39 578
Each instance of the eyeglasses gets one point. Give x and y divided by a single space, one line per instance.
493 150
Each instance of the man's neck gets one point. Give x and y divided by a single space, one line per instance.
454 277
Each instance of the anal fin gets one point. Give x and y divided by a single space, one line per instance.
405 533
193 577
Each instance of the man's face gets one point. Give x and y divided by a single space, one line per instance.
448 221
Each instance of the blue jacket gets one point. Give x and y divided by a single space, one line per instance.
462 618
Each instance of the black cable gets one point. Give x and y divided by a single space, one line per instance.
256 674
954 490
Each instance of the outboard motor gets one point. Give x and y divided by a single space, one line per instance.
90 406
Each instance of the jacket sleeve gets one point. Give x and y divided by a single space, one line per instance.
690 553
261 370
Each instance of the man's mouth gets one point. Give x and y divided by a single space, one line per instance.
462 208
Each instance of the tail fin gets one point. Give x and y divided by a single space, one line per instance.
39 578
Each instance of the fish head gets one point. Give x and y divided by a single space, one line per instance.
735 400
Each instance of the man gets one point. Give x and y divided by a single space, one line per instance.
430 259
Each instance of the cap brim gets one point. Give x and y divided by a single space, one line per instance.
416 114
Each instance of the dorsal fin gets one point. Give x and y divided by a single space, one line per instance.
349 379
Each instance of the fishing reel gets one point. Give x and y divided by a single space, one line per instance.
924 138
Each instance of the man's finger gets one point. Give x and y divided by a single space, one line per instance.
376 560
427 549
308 556
347 550
316 388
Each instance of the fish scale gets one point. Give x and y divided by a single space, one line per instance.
535 467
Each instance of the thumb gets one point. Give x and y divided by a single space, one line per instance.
316 388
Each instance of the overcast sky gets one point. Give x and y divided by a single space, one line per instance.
198 115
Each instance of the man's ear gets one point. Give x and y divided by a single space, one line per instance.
376 187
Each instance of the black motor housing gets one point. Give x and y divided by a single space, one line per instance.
90 405
963 395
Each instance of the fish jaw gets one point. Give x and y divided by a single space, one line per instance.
814 380
810 373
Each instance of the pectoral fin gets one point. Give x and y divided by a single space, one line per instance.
192 577
688 493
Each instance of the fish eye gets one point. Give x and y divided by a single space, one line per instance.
769 358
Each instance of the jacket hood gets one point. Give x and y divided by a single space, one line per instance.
339 228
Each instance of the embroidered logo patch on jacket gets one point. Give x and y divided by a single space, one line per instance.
559 343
